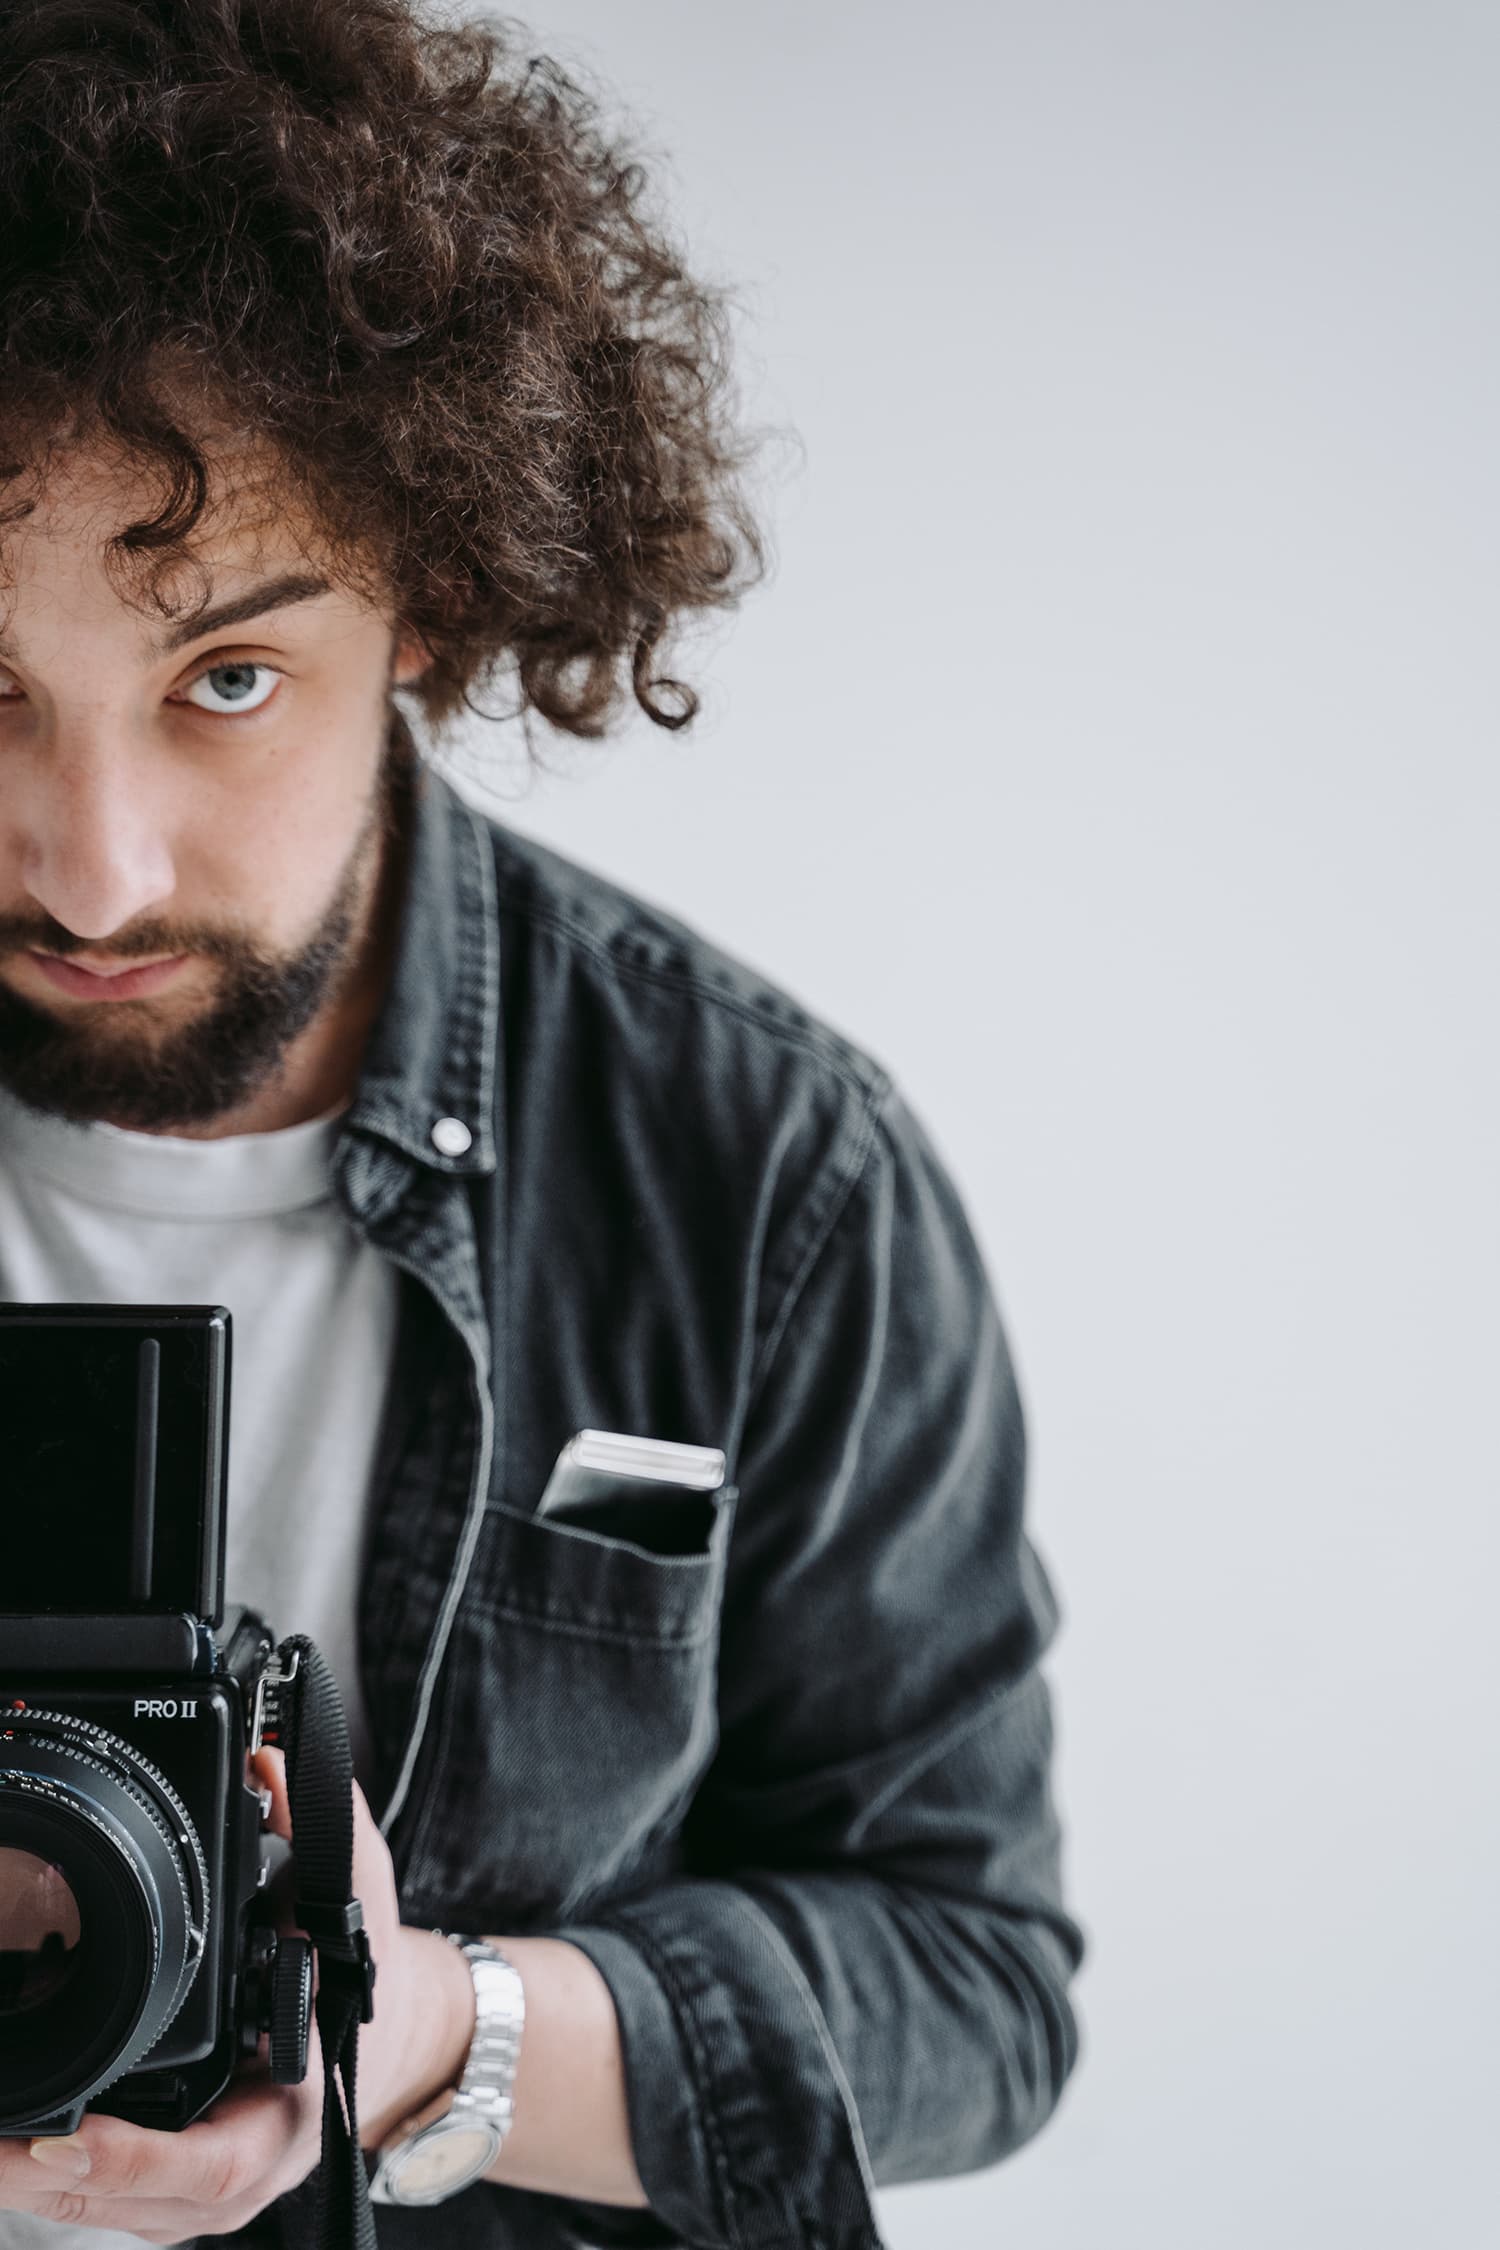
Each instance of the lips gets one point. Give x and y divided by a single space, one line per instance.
130 981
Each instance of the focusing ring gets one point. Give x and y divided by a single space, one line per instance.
110 1758
87 1740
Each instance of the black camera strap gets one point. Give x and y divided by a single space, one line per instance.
320 1790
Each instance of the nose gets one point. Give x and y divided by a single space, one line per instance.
94 851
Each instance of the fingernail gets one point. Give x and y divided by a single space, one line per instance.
66 2154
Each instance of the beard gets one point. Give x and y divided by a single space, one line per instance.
69 1066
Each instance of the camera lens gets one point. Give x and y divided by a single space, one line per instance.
103 1908
39 1930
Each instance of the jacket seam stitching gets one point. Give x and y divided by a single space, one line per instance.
576 1626
843 1189
648 972
793 1968
488 920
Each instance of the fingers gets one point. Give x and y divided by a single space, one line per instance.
372 1872
249 2147
270 1772
152 2220
374 1877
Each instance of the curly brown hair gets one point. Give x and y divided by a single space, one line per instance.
415 270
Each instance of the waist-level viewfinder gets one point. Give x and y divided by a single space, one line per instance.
114 1455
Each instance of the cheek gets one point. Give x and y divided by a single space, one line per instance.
272 863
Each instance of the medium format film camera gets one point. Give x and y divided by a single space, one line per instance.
138 1959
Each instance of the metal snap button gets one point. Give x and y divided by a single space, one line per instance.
451 1136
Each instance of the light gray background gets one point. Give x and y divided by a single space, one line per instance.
1113 754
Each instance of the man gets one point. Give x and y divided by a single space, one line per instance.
340 367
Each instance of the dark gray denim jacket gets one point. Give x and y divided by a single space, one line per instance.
790 1789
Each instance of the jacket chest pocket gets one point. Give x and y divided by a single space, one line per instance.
576 1714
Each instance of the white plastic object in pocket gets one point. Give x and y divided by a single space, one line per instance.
600 1464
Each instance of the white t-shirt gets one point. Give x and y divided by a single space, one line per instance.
93 1215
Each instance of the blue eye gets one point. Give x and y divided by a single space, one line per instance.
235 686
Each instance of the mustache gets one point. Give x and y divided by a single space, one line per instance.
148 944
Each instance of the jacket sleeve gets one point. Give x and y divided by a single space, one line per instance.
862 1978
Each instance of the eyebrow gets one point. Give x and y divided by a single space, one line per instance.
274 593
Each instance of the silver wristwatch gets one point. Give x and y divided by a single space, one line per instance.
455 2139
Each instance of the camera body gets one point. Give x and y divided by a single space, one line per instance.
138 1963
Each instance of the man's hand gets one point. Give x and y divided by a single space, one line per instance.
259 2140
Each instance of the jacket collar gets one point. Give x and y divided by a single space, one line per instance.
431 1055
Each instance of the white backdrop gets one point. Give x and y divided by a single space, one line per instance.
1113 754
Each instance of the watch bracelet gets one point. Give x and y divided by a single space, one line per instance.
500 2017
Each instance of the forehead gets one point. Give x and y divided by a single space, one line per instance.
85 492
75 541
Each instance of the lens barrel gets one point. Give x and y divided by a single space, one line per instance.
95 1833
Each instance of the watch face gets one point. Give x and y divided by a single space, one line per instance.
442 2160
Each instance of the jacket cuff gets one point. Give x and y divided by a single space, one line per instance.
742 2124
